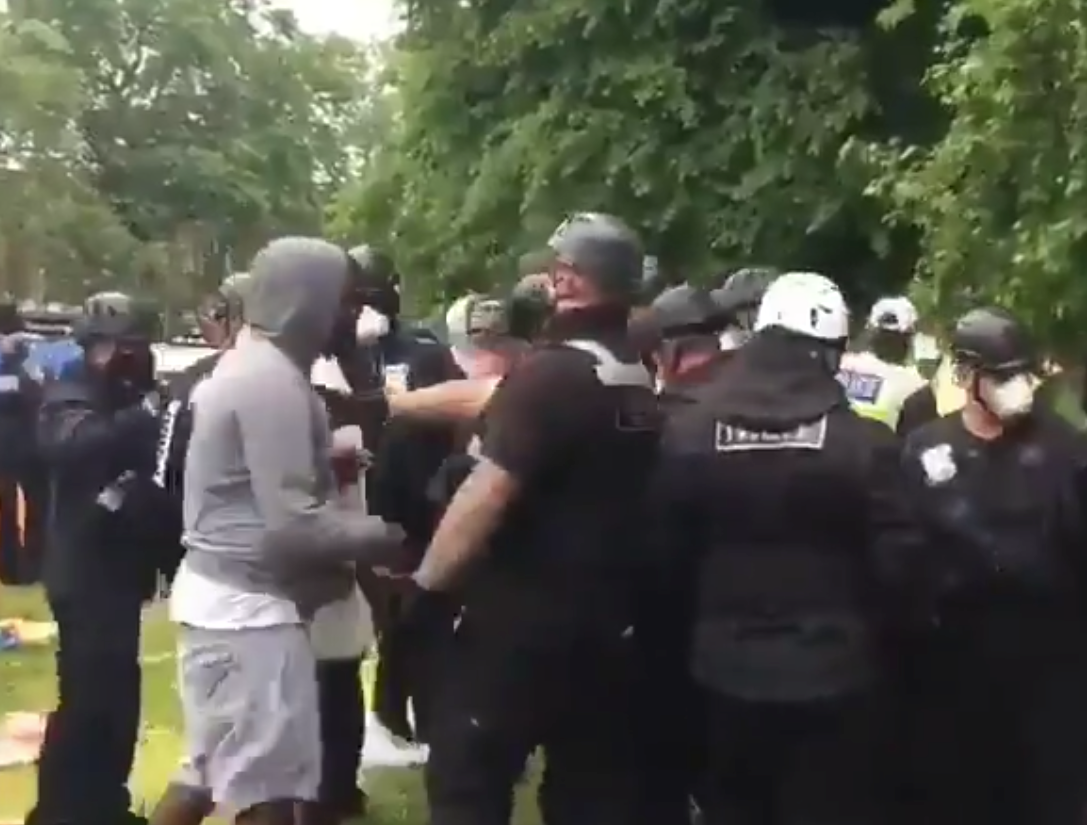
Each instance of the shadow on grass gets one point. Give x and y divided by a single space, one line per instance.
27 683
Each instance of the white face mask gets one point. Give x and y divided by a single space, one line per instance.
1007 399
371 325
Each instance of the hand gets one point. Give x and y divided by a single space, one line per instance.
383 545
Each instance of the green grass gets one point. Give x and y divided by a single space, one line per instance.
27 683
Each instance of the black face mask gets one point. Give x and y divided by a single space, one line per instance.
131 371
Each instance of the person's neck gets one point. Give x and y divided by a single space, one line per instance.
691 366
981 423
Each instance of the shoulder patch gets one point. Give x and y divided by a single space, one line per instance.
731 438
861 387
939 464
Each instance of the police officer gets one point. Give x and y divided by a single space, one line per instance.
341 632
738 297
408 453
879 379
999 487
789 507
682 327
97 430
540 545
22 488
401 356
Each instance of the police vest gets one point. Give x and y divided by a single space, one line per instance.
877 389
556 531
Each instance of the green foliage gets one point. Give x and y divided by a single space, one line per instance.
1001 199
158 143
713 131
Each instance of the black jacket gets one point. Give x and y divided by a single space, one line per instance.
408 453
175 430
1005 522
104 519
795 513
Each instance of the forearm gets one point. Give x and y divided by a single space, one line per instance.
462 399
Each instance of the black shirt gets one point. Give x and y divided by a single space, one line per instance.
579 433
409 452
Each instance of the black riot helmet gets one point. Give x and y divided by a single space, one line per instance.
603 250
991 340
740 293
116 315
679 313
374 280
684 310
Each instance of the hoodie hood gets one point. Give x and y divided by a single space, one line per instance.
777 381
294 296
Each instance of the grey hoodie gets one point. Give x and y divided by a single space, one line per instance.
259 509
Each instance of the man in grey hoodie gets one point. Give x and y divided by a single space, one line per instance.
267 545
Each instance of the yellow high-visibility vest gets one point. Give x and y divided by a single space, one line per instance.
876 388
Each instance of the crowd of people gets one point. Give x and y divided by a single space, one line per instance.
714 557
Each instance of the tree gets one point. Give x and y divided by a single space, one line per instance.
208 125
714 128
1001 198
51 220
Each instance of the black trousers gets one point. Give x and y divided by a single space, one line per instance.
413 642
343 732
21 539
812 763
503 694
91 736
670 721
1001 740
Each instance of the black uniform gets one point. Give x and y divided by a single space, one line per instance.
544 653
918 409
682 328
408 456
794 513
1003 722
97 434
22 483
1004 729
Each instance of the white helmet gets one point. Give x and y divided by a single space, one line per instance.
893 314
805 303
